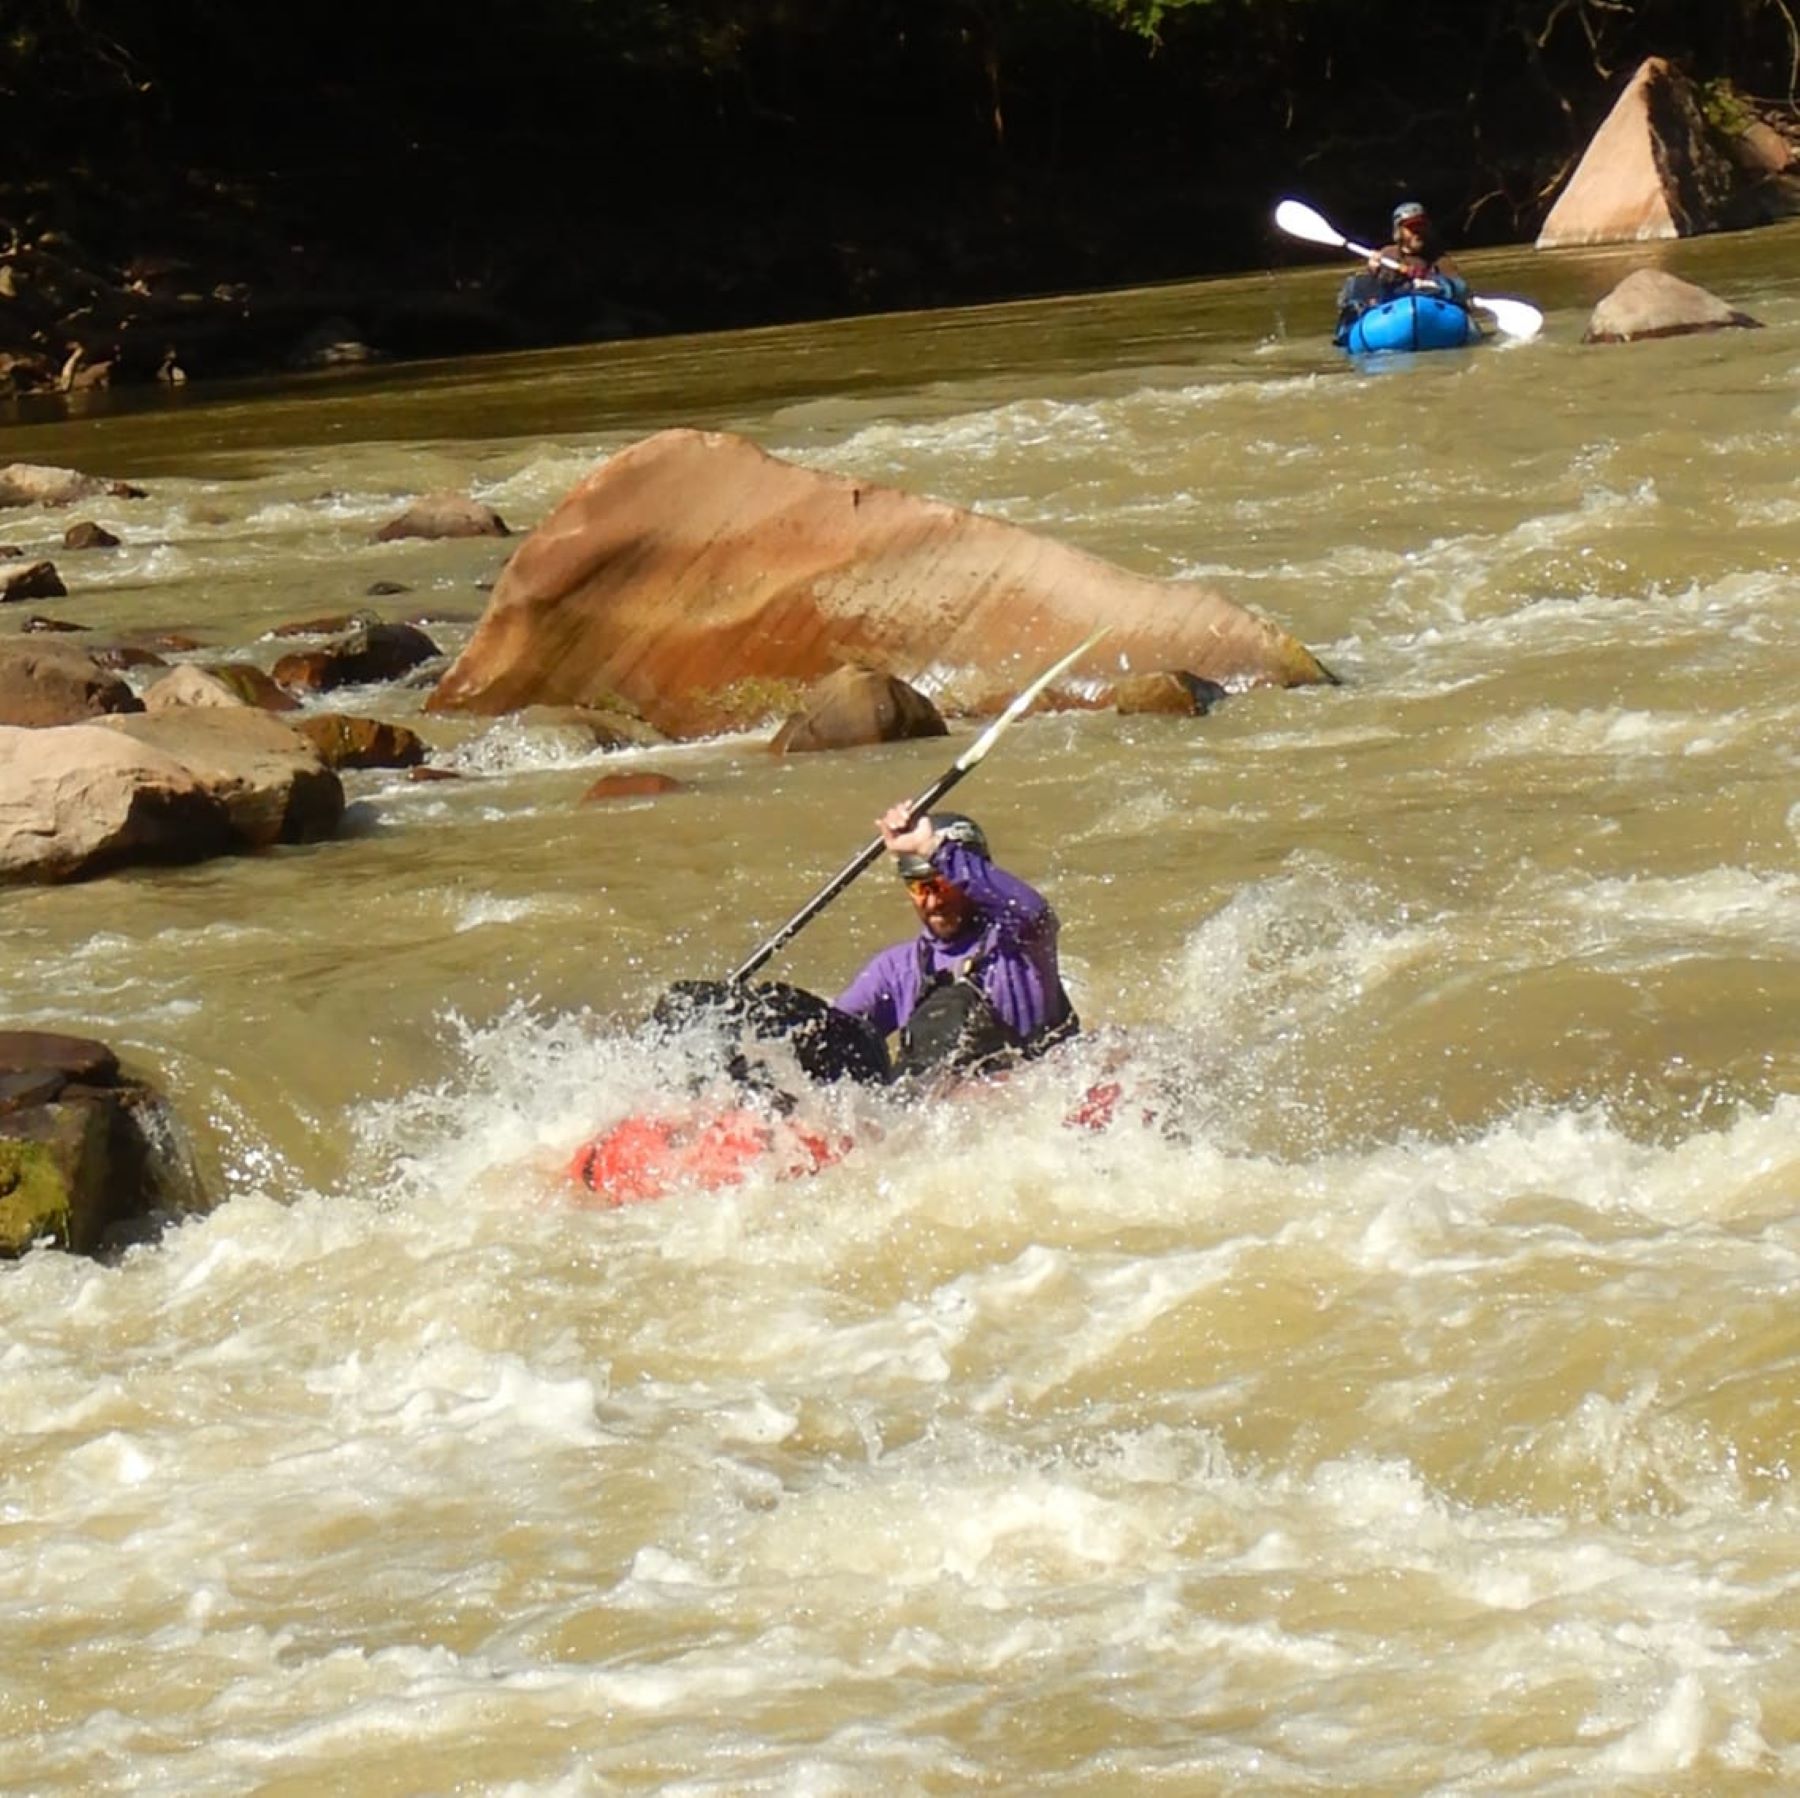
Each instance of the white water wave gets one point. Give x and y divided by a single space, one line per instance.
1617 732
1718 905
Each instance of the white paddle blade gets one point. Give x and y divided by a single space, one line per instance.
992 734
1513 318
1299 220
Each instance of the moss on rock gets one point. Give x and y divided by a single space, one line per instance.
35 1196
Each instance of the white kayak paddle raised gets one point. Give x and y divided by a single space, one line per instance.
963 764
1513 318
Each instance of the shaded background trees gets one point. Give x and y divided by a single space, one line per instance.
584 167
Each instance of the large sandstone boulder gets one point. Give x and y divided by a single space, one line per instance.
83 799
1657 169
47 682
693 561
84 1149
1650 303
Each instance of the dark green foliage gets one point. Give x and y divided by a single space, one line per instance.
603 164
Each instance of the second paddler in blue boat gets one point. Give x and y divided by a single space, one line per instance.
1409 296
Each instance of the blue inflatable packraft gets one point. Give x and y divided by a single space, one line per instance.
1414 321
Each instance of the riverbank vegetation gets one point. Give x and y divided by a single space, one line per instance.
200 184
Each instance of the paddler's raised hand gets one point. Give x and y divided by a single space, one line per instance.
920 840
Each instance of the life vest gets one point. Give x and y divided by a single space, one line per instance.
954 1027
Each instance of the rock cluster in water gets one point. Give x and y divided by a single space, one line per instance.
692 584
94 777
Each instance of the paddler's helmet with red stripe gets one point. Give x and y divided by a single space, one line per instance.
951 827
1408 212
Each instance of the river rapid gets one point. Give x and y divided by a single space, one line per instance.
1404 1396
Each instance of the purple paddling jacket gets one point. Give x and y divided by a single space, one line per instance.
1012 935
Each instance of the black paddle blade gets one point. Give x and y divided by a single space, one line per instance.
829 1044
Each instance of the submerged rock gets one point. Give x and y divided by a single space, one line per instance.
438 515
1172 691
645 783
581 728
375 652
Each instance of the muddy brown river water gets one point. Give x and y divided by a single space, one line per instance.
1422 1416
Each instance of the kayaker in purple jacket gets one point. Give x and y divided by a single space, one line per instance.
979 985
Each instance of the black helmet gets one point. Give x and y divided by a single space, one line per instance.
951 827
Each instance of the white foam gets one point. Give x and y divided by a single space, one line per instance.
1667 1741
477 910
1716 905
1616 732
447 1385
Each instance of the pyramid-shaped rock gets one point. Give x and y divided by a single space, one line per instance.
1650 171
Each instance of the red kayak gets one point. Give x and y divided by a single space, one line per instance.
649 1155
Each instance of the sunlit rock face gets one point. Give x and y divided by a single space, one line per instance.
176 786
1656 169
693 570
271 780
225 684
77 800
1651 303
347 741
32 484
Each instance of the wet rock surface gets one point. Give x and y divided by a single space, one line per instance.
89 1156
